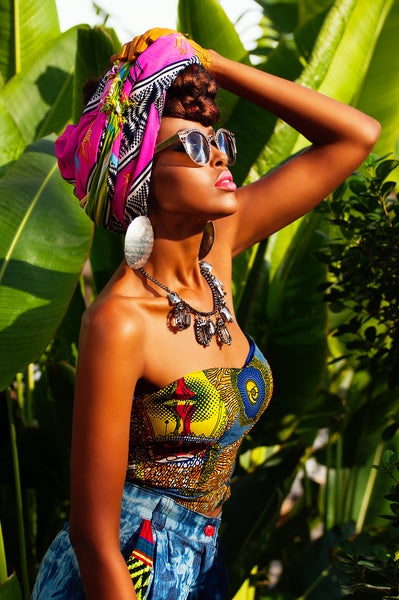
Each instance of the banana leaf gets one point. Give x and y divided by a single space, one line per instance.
208 24
216 32
10 589
284 14
378 96
106 254
45 238
339 63
25 28
37 101
288 318
249 515
94 49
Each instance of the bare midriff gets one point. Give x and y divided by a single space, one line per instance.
213 513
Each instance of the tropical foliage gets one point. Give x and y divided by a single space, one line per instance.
331 416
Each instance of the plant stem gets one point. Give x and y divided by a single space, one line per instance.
328 482
20 394
369 488
315 583
30 384
18 495
338 485
3 562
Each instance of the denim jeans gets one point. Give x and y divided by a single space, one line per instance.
187 560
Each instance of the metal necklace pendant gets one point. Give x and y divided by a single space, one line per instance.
222 331
202 334
204 328
180 317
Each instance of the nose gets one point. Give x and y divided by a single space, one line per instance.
218 158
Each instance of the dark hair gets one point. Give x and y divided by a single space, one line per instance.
89 89
192 96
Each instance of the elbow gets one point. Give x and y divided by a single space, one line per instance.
83 542
370 132
78 538
91 539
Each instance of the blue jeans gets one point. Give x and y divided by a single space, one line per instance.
187 562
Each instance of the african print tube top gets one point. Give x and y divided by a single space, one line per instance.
184 437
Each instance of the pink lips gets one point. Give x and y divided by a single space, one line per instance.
225 182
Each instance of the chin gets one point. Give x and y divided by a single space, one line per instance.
229 206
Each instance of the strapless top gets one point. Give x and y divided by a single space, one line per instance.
184 437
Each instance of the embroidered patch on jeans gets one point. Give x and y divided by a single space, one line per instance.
141 559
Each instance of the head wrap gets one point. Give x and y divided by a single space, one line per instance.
108 155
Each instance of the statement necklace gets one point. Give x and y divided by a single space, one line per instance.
204 327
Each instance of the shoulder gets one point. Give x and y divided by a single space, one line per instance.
113 315
113 326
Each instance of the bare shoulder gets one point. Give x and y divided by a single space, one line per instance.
113 325
112 316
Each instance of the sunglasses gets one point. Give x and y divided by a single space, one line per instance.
198 145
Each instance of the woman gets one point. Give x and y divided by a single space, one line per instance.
166 450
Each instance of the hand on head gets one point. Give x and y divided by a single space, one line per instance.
131 50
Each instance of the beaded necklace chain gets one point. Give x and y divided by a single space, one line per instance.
204 327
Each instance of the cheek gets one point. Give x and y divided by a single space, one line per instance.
173 188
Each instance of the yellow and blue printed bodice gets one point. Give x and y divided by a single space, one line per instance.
184 437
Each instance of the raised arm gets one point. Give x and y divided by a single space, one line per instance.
107 372
341 138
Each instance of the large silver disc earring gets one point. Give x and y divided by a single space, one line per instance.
139 241
208 237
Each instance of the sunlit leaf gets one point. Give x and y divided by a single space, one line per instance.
339 63
207 23
283 13
38 101
25 28
45 238
379 93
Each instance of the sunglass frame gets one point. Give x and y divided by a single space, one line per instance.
184 133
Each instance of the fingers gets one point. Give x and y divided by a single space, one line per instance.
131 50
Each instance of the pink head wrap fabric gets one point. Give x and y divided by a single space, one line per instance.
108 155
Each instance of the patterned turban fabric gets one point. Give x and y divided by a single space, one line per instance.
108 155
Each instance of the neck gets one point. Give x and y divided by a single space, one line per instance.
207 323
174 259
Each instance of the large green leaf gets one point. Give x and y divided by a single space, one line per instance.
252 125
10 590
308 8
339 62
353 54
283 13
106 255
289 322
26 26
12 142
206 22
379 93
45 238
38 101
250 513
94 49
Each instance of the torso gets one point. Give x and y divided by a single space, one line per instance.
167 356
185 436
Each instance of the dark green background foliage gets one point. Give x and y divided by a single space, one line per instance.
320 298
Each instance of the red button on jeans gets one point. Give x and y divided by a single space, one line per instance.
209 530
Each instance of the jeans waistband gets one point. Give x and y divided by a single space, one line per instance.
166 513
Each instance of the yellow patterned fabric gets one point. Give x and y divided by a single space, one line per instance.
184 437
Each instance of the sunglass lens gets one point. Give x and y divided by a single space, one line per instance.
226 145
197 148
